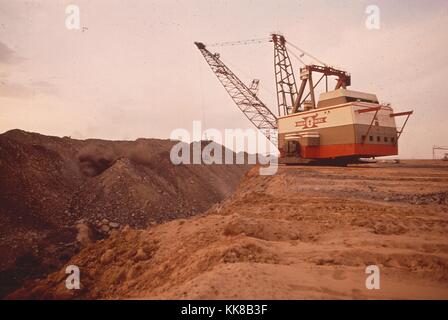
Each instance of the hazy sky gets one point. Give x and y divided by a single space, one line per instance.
133 70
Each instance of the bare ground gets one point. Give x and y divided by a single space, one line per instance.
305 233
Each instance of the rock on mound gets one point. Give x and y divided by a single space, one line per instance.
49 183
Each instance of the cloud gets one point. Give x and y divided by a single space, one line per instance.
7 55
14 90
44 87
11 89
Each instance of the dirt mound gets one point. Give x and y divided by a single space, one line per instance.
289 236
50 183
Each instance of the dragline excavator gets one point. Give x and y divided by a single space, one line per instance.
341 126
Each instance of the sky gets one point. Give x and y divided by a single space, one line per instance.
133 71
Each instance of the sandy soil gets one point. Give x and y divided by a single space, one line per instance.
305 233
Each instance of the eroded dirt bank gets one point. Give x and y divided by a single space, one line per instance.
307 232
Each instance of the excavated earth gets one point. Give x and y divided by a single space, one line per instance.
58 195
304 233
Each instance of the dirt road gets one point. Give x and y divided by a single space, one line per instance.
307 232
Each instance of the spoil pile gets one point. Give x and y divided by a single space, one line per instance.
54 191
